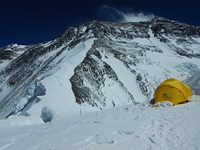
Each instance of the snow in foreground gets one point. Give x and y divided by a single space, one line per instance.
122 128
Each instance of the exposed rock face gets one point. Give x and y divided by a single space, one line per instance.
131 58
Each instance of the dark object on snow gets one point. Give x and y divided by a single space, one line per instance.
46 114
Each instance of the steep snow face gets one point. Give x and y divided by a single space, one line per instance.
97 65
59 96
194 83
122 128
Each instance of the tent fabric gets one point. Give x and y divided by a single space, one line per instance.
172 90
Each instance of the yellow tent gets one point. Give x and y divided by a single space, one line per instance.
172 90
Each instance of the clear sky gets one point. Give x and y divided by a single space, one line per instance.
34 21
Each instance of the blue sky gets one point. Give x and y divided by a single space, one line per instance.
34 21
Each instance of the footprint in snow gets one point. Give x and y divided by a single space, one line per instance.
99 140
126 132
96 122
151 140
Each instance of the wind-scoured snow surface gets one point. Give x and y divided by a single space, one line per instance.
122 128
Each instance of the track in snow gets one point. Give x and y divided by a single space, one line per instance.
128 127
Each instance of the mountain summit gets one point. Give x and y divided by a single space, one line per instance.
96 65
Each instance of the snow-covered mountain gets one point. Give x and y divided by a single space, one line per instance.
96 65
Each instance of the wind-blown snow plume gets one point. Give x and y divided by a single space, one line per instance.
137 17
112 14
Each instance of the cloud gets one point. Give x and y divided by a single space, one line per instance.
112 14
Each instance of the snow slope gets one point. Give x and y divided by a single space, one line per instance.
194 83
59 97
122 128
126 77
